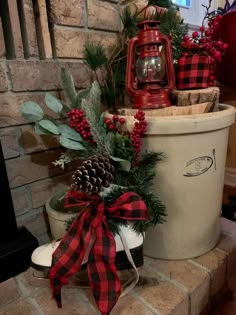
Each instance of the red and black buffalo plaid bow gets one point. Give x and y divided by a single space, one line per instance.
89 226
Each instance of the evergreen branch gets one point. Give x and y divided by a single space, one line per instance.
91 107
68 86
66 158
95 55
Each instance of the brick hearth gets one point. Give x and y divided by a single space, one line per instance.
189 287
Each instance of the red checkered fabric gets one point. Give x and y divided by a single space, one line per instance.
91 226
193 72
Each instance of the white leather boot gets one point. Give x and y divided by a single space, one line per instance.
128 242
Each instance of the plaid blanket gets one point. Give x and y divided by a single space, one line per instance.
90 226
193 72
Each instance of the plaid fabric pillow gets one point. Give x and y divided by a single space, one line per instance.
193 72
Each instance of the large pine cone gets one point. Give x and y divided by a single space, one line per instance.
94 174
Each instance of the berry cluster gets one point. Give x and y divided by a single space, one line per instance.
113 124
79 123
139 128
207 41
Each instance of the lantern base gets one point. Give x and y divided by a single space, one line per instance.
146 100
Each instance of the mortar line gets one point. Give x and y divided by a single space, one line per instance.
145 303
36 306
7 74
175 283
199 266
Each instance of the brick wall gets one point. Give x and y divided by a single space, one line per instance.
31 55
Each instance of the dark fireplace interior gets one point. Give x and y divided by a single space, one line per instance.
16 243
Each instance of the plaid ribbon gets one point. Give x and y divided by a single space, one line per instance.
193 72
88 226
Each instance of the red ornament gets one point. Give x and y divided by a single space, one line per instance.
150 70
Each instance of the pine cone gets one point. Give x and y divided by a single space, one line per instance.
94 174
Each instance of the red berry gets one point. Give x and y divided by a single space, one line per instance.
208 33
108 121
217 54
115 118
212 78
215 25
195 34
225 46
186 38
202 29
122 120
111 127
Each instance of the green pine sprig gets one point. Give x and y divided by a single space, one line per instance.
68 86
91 107
95 55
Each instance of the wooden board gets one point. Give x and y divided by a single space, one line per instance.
2 43
11 29
44 40
29 35
170 111
191 97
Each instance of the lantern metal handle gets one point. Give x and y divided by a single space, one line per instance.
170 70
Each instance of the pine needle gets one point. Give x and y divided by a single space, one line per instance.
95 55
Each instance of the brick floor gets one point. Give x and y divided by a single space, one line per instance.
189 287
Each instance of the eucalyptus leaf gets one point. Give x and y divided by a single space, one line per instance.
41 131
53 103
50 126
70 144
116 159
69 133
31 111
125 165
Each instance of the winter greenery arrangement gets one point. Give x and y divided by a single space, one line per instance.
89 136
110 153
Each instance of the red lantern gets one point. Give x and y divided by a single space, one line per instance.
150 70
